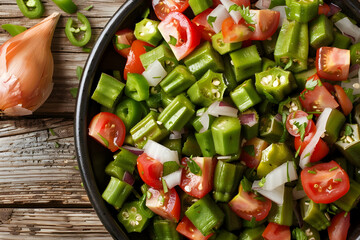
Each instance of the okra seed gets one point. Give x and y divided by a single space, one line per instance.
312 238
295 108
349 139
217 95
160 109
308 232
138 217
158 122
232 63
216 82
276 83
148 24
125 215
133 210
316 185
214 90
141 34
282 79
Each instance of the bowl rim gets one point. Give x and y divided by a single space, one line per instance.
80 126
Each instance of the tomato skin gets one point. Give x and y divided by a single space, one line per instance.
275 231
180 27
167 205
163 7
124 36
324 9
267 22
150 170
196 185
343 99
293 130
253 161
333 63
246 206
233 32
339 227
325 185
187 228
133 63
202 25
110 127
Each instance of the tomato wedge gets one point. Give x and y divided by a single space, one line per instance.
202 25
123 40
163 7
187 228
267 22
198 185
324 9
177 26
333 63
233 32
108 129
246 205
296 119
325 182
166 205
253 158
343 99
339 227
150 170
275 231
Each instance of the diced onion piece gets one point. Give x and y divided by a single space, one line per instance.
205 122
248 119
349 29
298 194
220 13
160 152
263 4
333 9
128 178
134 150
217 109
154 73
276 195
278 117
173 179
354 70
281 10
320 130
175 135
223 157
236 15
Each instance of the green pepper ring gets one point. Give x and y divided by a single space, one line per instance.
70 35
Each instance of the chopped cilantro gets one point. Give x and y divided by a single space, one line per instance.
211 20
57 145
260 198
79 71
251 28
309 117
148 48
348 131
106 142
301 129
299 234
246 184
302 95
311 84
262 182
52 132
193 167
245 13
164 185
289 64
146 13
172 41
88 8
74 92
332 169
86 49
338 180
249 149
297 152
350 93
312 171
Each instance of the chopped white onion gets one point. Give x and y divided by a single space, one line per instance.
354 80
175 135
276 195
173 179
220 13
298 194
205 122
160 152
236 15
263 4
215 109
281 10
154 73
223 157
320 130
349 29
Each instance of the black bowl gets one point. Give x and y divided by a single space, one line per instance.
92 157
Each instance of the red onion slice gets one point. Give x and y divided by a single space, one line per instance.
349 29
128 178
263 4
217 109
278 117
248 119
134 150
333 9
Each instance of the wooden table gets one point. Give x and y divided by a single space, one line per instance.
41 196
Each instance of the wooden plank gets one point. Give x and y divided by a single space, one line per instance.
50 223
37 167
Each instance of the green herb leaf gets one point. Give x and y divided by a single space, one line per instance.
106 142
332 169
311 84
302 95
251 28
194 167
211 20
309 117
86 49
260 198
289 64
349 92
57 145
74 92
301 129
262 182
249 149
307 155
348 131
287 171
312 171
148 48
172 41
338 180
164 185
245 13
297 152
170 167
121 46
52 132
88 8
146 13
246 184
299 234
79 71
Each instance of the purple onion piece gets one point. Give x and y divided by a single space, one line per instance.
333 9
353 71
248 119
278 117
134 150
128 178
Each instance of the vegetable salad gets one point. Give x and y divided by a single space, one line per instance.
234 120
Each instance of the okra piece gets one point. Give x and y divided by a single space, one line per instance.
355 53
208 89
312 215
271 129
226 180
269 44
108 91
173 144
126 160
154 100
334 125
161 53
306 232
246 62
222 47
232 222
266 107
225 235
132 218
177 81
301 78
165 98
349 143
292 46
197 124
226 133
282 214
272 157
198 6
274 3
129 111
147 30
148 128
340 15
137 87
191 147
249 124
321 31
206 143
177 114
289 105
165 229
245 96
351 198
252 233
116 192
252 223
275 84
114 171
205 215
357 113
229 74
341 41
202 59
267 64
302 11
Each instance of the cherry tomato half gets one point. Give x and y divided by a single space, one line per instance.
150 170
163 7
339 227
235 32
343 99
333 63
123 40
202 25
267 22
187 228
294 118
253 160
275 231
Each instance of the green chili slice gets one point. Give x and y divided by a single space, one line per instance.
67 6
78 35
31 8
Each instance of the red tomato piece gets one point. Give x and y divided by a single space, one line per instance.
318 98
122 41
163 7
259 146
267 22
187 228
233 32
216 3
275 231
333 63
291 120
166 205
339 227
343 99
133 63
329 87
325 182
178 26
198 185
108 129
324 9
246 206
150 170
202 25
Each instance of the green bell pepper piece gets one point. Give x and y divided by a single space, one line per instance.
161 53
191 147
129 111
282 214
312 215
321 32
147 30
271 130
31 8
341 41
132 217
351 199
267 64
221 47
73 31
334 125
208 89
355 53
137 87
12 29
226 133
250 130
245 96
206 143
302 10
289 105
205 215
177 81
225 235
232 222
165 229
67 6
114 171
126 160
116 192
252 233
301 78
349 143
198 6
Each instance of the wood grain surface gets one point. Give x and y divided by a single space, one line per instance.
41 196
